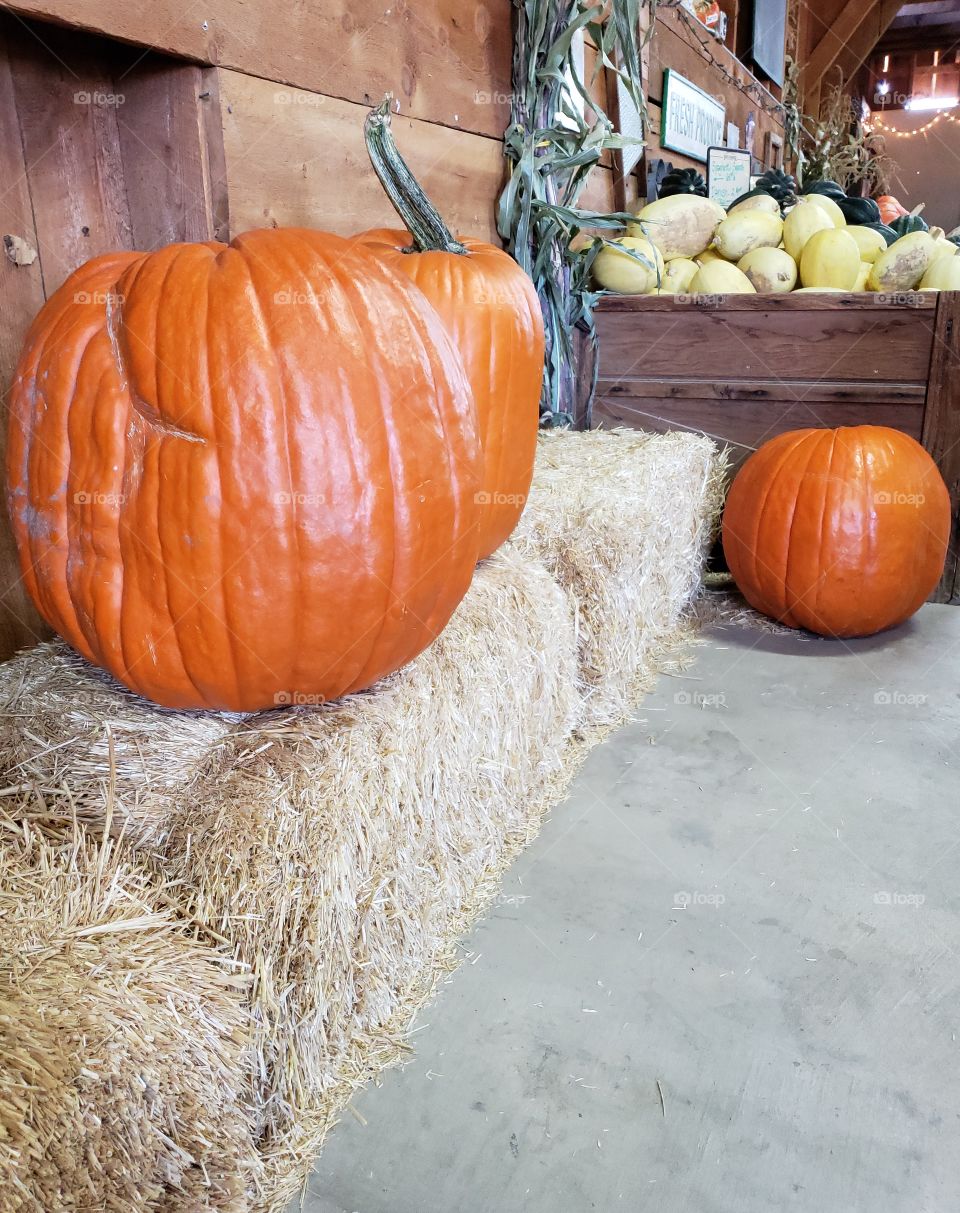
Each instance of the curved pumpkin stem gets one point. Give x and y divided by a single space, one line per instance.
430 233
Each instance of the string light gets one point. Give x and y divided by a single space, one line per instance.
940 116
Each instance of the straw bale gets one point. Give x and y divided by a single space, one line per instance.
337 853
623 521
363 837
123 1042
60 719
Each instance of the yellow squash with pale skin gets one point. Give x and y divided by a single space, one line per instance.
801 223
721 278
830 258
903 264
680 226
943 274
738 234
829 207
870 243
628 266
772 271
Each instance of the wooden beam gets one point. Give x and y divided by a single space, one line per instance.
850 18
861 45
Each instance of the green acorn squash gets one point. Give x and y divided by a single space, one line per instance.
831 188
859 211
885 231
779 185
682 181
909 223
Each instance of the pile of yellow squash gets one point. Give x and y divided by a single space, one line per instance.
686 244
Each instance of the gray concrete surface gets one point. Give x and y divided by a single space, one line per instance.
724 979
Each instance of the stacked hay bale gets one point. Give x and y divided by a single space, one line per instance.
622 522
337 853
123 1041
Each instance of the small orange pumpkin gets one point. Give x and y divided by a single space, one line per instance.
890 208
843 532
491 310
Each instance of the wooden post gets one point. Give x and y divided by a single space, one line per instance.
941 427
586 358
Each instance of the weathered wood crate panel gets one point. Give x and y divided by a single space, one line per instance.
722 341
743 368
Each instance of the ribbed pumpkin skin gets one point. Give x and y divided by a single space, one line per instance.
492 312
243 473
843 532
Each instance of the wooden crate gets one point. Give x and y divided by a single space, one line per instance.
743 368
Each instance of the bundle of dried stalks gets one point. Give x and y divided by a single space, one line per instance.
337 853
123 1042
623 521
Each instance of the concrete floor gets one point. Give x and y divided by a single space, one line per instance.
724 979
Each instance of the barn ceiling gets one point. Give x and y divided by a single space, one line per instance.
924 24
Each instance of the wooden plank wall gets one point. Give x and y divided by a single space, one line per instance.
94 156
681 43
446 61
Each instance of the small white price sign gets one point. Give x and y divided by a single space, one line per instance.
728 174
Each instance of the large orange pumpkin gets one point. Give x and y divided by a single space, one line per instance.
492 312
843 532
243 475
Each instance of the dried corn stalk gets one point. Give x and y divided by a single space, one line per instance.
557 133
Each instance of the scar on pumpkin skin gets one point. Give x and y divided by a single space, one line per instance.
140 406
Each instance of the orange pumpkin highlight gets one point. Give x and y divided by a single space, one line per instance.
240 475
843 532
